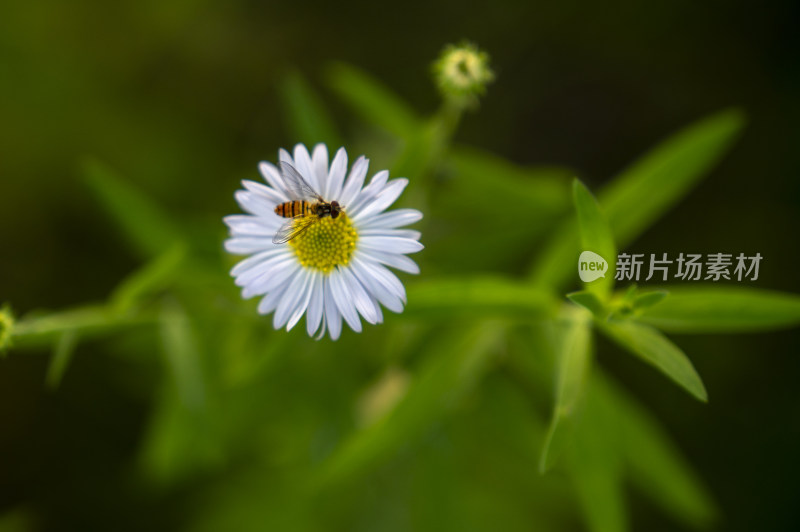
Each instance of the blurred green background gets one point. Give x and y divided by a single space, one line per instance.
183 98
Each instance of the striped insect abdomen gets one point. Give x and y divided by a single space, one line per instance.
290 209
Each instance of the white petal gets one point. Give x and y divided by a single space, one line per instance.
285 157
254 204
401 233
392 219
333 319
336 178
354 181
269 267
291 300
401 262
300 310
323 327
302 163
380 274
270 194
344 300
268 281
369 192
245 225
376 288
271 300
390 244
247 245
319 163
382 201
359 296
256 260
273 176
315 306
377 309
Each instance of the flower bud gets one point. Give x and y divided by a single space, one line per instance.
462 73
6 325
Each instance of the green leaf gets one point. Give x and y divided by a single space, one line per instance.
653 462
149 229
452 367
641 194
419 151
600 492
595 467
62 354
649 298
589 301
373 101
473 181
183 357
178 442
155 276
557 262
655 349
485 173
595 236
479 296
307 117
574 358
651 186
723 309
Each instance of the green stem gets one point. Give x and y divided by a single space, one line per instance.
89 320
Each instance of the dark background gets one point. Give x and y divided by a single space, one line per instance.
181 97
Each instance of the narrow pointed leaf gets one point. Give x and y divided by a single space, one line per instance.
419 150
651 186
148 228
647 299
178 441
151 278
453 366
479 296
574 358
595 467
600 492
308 119
723 309
538 188
653 462
373 101
181 351
655 349
595 236
589 301
62 355
556 263
641 194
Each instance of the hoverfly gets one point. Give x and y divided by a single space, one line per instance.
304 210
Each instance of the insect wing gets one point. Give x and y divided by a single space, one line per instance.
296 184
293 228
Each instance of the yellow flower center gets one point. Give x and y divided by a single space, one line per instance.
326 244
463 68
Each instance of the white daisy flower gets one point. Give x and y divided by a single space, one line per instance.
335 268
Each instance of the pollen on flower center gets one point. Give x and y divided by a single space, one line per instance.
326 244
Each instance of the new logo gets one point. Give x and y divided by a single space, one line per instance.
591 266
